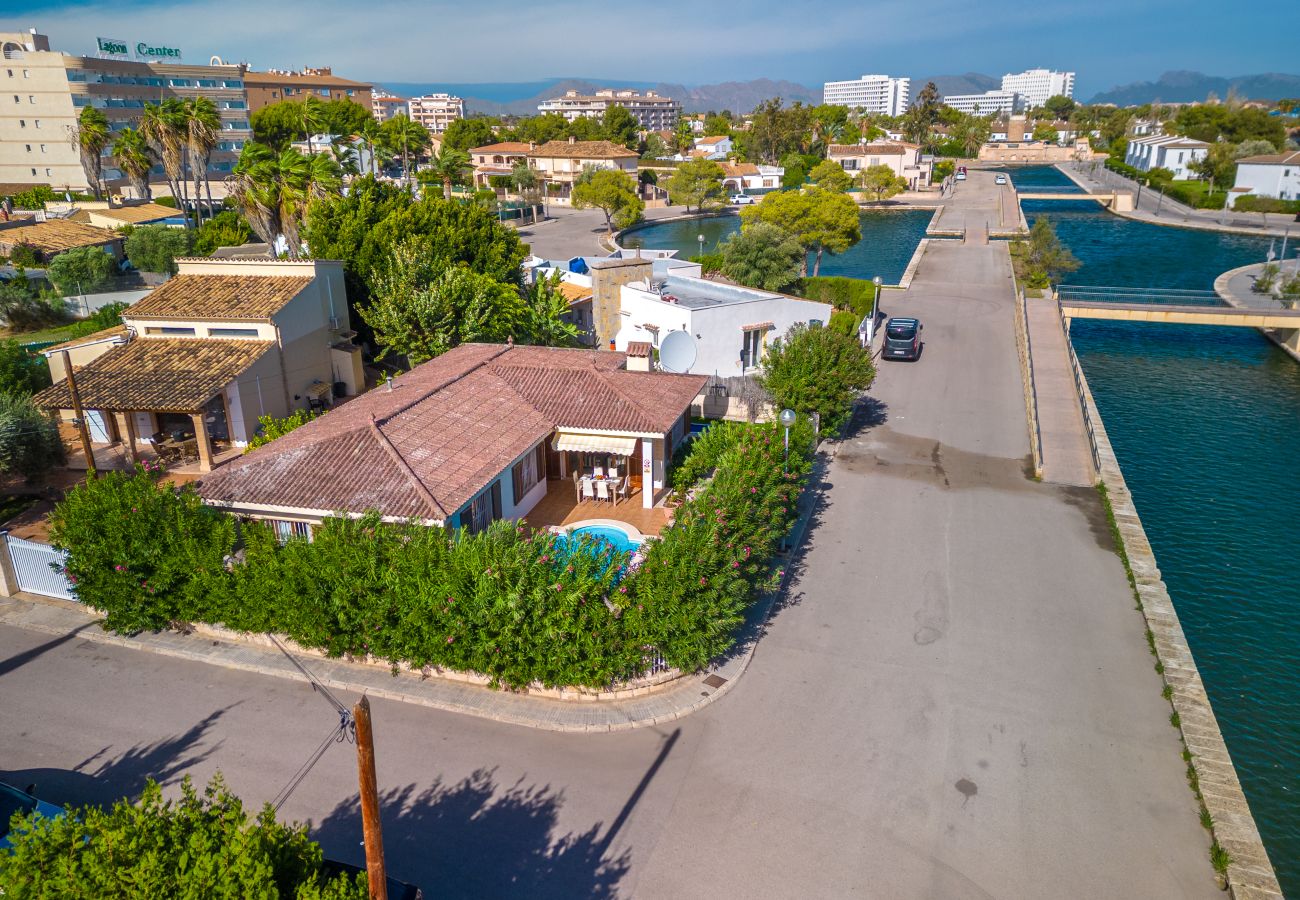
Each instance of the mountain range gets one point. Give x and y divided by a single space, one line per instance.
1186 87
521 98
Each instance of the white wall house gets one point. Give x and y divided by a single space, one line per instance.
716 147
905 160
1170 152
751 177
732 326
1276 175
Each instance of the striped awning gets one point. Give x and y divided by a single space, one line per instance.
594 443
758 326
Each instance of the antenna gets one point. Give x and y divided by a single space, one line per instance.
677 353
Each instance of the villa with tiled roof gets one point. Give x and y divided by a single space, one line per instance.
468 437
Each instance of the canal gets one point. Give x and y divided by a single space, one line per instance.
889 238
1206 425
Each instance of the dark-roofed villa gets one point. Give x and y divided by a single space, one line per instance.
481 433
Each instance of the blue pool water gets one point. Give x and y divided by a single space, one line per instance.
615 537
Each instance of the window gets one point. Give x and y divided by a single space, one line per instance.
239 85
33 171
170 331
31 98
286 530
47 172
22 123
232 332
38 123
207 82
324 92
26 73
485 509
16 99
528 472
752 349
29 148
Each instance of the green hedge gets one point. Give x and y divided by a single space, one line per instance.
510 603
1251 203
841 292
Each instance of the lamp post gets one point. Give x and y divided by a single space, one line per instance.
700 238
787 419
875 301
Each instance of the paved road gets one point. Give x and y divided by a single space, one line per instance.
955 701
569 232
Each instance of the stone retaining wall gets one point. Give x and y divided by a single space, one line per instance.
1251 875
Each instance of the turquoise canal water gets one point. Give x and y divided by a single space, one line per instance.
889 238
1206 424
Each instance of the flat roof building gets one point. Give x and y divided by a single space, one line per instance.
876 94
653 112
385 105
986 104
49 89
275 85
435 111
1036 85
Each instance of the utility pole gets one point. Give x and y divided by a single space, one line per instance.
79 414
375 874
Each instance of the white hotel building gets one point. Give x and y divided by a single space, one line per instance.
435 111
878 94
990 103
1036 85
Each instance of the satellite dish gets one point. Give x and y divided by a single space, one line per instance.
677 352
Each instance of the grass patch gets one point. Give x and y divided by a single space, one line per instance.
1207 820
1175 719
1220 858
1167 692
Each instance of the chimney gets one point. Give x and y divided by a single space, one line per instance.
532 145
572 139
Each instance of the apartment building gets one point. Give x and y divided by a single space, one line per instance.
655 113
435 111
275 85
385 105
1036 85
42 93
873 94
989 103
1171 152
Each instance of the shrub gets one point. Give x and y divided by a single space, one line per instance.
29 439
196 846
25 255
270 428
226 229
816 370
854 294
34 198
24 310
942 169
710 262
80 270
1251 203
22 373
154 248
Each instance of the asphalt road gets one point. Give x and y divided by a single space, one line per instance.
955 700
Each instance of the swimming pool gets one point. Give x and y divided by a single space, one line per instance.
616 537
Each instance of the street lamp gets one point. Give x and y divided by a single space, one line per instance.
700 238
871 319
787 419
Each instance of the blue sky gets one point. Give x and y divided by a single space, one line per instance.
1107 42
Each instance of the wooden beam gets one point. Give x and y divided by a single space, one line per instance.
79 414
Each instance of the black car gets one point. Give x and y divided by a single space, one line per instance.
902 339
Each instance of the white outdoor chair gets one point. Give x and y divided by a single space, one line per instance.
625 488
588 493
613 473
602 490
577 486
600 471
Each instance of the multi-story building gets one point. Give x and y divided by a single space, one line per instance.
385 105
45 91
560 164
1171 152
873 94
435 111
275 85
989 103
655 113
1036 85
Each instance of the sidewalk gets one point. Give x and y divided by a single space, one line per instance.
673 701
1170 213
1067 455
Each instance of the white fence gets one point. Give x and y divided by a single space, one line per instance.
39 568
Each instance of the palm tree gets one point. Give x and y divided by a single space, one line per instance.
273 191
345 157
408 137
91 136
202 126
164 125
449 167
134 157
313 117
372 135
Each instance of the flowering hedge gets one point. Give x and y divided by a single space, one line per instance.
516 605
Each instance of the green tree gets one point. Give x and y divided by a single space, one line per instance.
830 175
763 256
447 168
620 126
277 125
134 156
653 147
466 134
92 134
612 192
697 183
1059 106
716 124
197 847
269 427
29 439
24 310
164 126
970 133
921 117
81 270
421 307
881 182
546 315
775 130
154 248
274 191
683 136
818 219
816 369
22 373
406 138
225 229
1044 131
1042 259
1218 166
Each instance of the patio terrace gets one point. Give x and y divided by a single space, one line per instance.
561 506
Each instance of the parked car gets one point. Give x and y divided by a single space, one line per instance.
397 890
13 800
1001 179
902 339
960 176
742 199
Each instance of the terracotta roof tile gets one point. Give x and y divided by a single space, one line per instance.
157 375
867 149
638 349
582 150
455 423
220 297
574 293
132 215
503 147
56 235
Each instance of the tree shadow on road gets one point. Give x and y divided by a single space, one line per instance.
103 777
476 838
867 414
